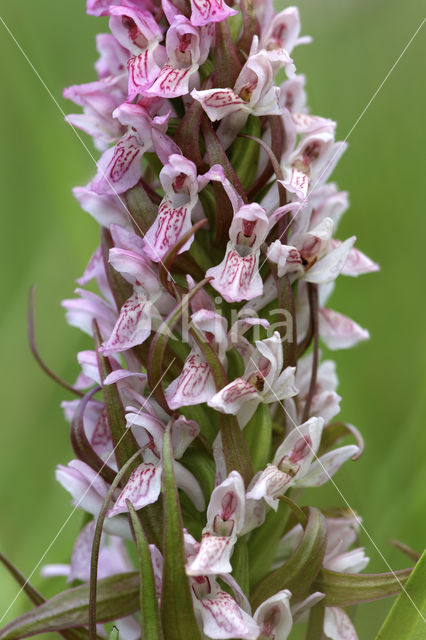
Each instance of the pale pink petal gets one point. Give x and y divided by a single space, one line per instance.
226 510
119 168
296 181
283 31
338 331
287 258
296 452
194 385
76 479
136 29
357 263
223 618
122 374
143 71
274 616
55 570
305 605
352 561
231 398
218 103
184 431
269 485
142 488
172 82
326 466
237 278
134 267
132 327
208 11
331 265
170 225
213 556
338 625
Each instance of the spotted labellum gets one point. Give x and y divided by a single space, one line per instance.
204 405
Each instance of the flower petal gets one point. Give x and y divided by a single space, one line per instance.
326 466
142 488
213 556
338 625
132 327
208 11
237 278
338 331
274 616
195 384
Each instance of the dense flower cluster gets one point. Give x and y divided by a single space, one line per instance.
217 259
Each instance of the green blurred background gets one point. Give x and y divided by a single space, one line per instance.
47 240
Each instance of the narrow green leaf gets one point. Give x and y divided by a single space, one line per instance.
407 616
150 616
118 596
155 365
258 435
177 611
301 569
37 599
149 515
345 589
124 441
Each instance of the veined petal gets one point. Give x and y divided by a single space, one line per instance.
213 556
326 466
296 182
119 168
237 278
183 433
142 488
270 484
357 263
170 225
141 73
296 452
208 11
222 618
234 396
352 561
172 82
338 625
132 327
194 385
274 616
338 331
331 265
218 103
226 510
